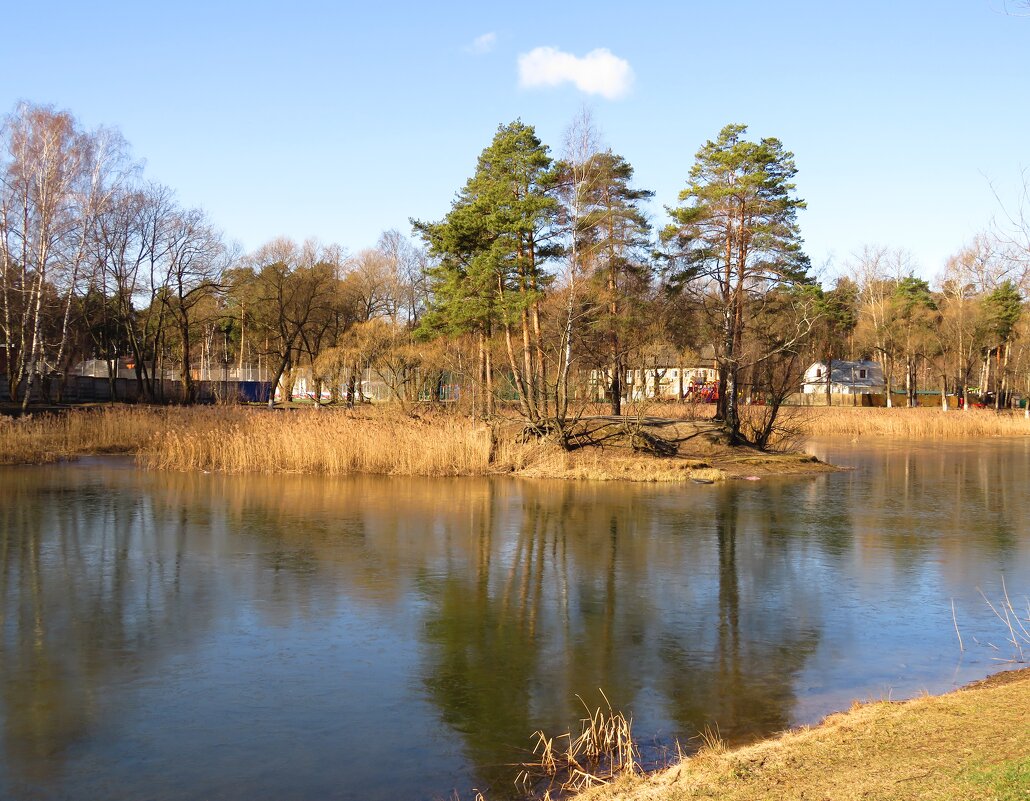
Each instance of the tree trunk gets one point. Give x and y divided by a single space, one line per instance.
489 388
732 414
887 381
520 385
617 387
284 363
36 348
541 363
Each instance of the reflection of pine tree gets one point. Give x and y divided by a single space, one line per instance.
743 683
582 595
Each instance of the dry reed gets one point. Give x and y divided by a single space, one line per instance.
41 438
602 751
1016 627
326 442
912 424
339 441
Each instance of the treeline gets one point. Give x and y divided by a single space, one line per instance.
96 261
967 333
542 286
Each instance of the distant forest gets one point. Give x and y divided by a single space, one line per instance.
546 270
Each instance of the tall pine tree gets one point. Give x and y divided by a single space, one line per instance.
492 247
736 238
613 235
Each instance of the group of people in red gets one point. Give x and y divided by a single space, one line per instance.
702 393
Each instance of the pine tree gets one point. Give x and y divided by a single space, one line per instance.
492 247
613 234
736 237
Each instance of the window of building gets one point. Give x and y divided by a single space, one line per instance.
861 374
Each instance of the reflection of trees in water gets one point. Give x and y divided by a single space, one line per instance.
765 629
686 605
105 573
89 590
963 499
589 595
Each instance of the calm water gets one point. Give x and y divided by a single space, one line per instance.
200 636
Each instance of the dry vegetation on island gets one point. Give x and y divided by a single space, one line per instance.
336 441
669 442
368 440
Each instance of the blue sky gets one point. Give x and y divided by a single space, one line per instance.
340 120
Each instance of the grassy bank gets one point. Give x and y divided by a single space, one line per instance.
970 744
380 440
340 442
857 421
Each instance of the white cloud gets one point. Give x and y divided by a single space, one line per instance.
599 72
482 44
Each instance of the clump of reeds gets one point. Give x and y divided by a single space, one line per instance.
40 438
326 442
1015 626
603 750
337 442
912 423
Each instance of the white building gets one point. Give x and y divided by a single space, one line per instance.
863 377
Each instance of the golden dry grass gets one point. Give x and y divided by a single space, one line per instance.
326 442
367 440
970 744
603 750
911 424
336 442
606 465
850 421
109 429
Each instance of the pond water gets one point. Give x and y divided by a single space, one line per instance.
171 636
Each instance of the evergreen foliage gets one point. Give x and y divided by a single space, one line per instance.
735 238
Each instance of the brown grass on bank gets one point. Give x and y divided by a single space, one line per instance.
41 438
972 744
851 422
337 442
912 424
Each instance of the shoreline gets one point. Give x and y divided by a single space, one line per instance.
382 441
971 743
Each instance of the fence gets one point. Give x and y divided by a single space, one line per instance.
88 389
877 400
